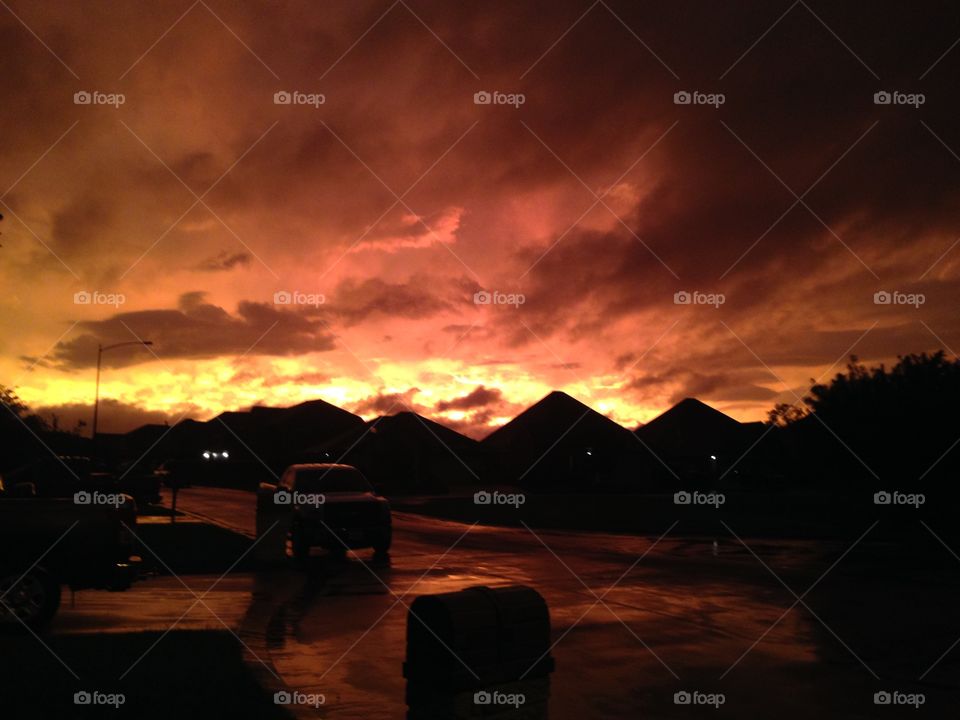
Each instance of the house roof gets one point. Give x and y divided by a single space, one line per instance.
406 429
691 427
262 430
556 418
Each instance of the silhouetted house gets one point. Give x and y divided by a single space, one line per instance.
186 440
117 448
141 439
407 453
561 444
700 444
280 435
273 435
239 448
67 443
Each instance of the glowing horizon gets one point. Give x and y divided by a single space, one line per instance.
333 223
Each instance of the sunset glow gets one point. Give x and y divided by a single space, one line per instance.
289 219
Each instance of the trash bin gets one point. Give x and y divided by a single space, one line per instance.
475 638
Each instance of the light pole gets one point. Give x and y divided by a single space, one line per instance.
100 351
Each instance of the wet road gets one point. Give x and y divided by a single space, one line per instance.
676 615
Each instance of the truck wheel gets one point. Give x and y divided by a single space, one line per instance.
34 598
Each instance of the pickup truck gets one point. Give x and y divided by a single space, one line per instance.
64 475
46 543
325 505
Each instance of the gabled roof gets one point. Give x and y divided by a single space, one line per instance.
556 418
687 412
313 411
404 430
691 427
262 430
150 431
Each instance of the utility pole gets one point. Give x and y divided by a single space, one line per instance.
96 398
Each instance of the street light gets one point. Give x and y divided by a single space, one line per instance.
100 351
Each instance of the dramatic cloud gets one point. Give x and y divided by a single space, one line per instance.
114 416
631 248
355 301
388 403
196 329
477 398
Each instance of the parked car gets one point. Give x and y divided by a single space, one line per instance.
45 543
326 505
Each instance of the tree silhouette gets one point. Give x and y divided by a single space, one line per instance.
20 430
784 414
895 428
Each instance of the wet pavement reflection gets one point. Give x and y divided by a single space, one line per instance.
632 626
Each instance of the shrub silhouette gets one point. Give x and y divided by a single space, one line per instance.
894 428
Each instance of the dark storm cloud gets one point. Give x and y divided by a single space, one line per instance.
388 403
712 207
715 197
476 422
200 329
196 329
114 416
724 387
475 425
481 405
476 398
882 181
355 301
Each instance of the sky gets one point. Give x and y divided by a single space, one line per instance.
456 208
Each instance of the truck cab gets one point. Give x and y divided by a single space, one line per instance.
84 542
326 505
